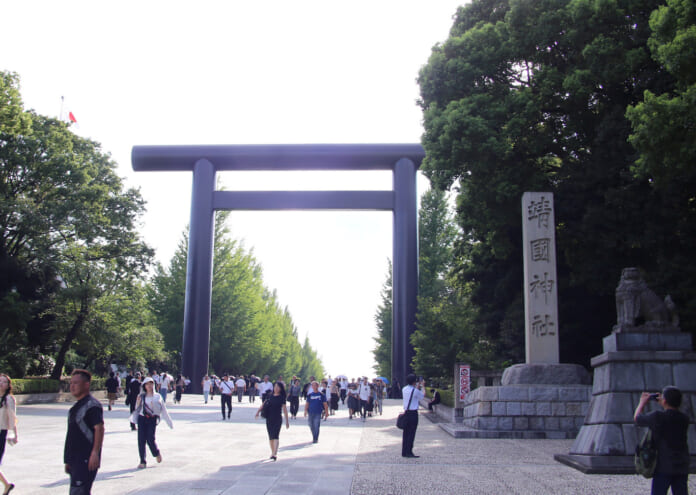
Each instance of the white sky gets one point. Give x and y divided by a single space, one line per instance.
246 73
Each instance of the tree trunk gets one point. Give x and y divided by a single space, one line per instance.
67 343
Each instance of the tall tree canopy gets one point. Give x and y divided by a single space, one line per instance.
68 237
383 320
529 95
249 331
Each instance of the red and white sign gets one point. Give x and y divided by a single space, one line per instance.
464 381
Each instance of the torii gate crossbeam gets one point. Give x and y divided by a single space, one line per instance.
205 161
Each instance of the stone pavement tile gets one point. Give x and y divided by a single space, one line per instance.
475 466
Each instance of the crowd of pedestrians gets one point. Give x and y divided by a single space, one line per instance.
146 396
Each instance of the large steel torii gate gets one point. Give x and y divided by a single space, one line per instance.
205 161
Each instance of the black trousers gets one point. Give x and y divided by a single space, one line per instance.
146 434
81 478
294 405
409 433
226 399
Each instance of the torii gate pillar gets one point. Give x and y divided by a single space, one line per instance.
205 161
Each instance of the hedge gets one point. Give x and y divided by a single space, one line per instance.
48 386
35 386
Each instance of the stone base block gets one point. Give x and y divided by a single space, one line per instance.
633 341
605 464
546 374
461 431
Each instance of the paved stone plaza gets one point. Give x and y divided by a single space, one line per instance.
204 455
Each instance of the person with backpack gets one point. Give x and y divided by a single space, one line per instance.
149 407
669 428
85 435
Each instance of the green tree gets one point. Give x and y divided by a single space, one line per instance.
68 228
249 331
435 346
665 137
531 96
383 319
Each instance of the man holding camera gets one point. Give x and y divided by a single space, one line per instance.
412 394
669 428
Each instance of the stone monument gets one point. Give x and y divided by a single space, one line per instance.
541 398
645 352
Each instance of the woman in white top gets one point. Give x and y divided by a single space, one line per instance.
207 384
8 421
148 410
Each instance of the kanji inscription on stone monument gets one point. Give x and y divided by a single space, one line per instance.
540 287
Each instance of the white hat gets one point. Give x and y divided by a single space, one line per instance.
148 380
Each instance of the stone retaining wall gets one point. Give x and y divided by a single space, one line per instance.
553 411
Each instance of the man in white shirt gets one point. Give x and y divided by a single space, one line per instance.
226 389
241 387
364 395
344 389
265 388
412 394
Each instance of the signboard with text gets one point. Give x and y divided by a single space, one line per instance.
462 381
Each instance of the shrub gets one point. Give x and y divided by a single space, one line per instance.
48 386
35 386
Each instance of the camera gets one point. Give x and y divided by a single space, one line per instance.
654 396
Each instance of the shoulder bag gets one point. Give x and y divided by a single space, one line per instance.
645 459
401 420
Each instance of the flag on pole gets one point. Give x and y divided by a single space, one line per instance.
72 118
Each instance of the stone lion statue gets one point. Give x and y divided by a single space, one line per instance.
639 309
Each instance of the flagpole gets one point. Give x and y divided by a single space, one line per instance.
62 101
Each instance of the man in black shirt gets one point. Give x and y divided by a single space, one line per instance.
669 429
83 441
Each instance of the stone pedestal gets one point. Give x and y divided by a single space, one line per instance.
533 401
631 364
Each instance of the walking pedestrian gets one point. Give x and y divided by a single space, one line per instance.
307 388
265 388
206 384
253 381
240 385
226 389
378 394
119 390
344 387
273 406
363 396
316 407
112 387
165 385
294 397
179 387
335 386
85 435
412 394
8 421
149 408
132 395
352 400
669 428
